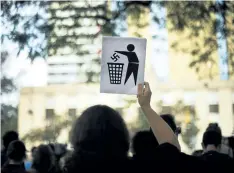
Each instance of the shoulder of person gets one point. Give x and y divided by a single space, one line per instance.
167 151
168 147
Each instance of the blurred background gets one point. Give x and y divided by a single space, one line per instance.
51 56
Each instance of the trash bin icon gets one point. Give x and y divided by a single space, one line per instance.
115 72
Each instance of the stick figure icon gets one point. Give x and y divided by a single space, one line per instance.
133 62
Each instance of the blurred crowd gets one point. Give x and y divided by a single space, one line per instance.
100 142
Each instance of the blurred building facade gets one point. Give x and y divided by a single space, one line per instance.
167 71
66 65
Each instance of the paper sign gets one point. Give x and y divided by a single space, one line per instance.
123 64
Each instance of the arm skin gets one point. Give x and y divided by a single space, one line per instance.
161 130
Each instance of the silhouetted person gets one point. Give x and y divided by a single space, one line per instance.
133 64
33 152
16 153
7 138
59 151
44 160
144 146
211 144
99 136
225 149
100 140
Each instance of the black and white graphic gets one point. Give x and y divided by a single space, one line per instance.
133 62
123 61
115 72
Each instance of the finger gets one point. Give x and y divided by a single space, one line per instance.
147 87
139 89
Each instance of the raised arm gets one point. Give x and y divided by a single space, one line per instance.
122 52
161 130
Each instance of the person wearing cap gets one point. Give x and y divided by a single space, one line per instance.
16 154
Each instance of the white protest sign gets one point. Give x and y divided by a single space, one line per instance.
122 65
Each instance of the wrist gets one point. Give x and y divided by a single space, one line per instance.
146 107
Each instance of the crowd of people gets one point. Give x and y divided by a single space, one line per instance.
101 143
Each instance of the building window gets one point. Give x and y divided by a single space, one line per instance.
214 108
71 112
49 114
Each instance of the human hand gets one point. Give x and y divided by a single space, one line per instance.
144 94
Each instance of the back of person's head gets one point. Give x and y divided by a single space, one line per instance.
100 131
144 144
211 138
16 151
197 153
214 127
44 159
8 137
33 149
169 119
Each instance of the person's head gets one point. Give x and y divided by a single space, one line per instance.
33 151
44 159
214 127
211 139
144 144
170 120
16 152
8 137
130 47
100 131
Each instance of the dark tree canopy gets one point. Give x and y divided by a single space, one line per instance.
8 112
61 28
202 20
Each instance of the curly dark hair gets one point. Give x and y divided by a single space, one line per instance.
100 132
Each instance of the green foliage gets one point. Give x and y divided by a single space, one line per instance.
53 27
8 118
29 31
8 112
189 135
7 84
199 19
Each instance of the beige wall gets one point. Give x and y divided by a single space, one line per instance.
61 98
84 95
